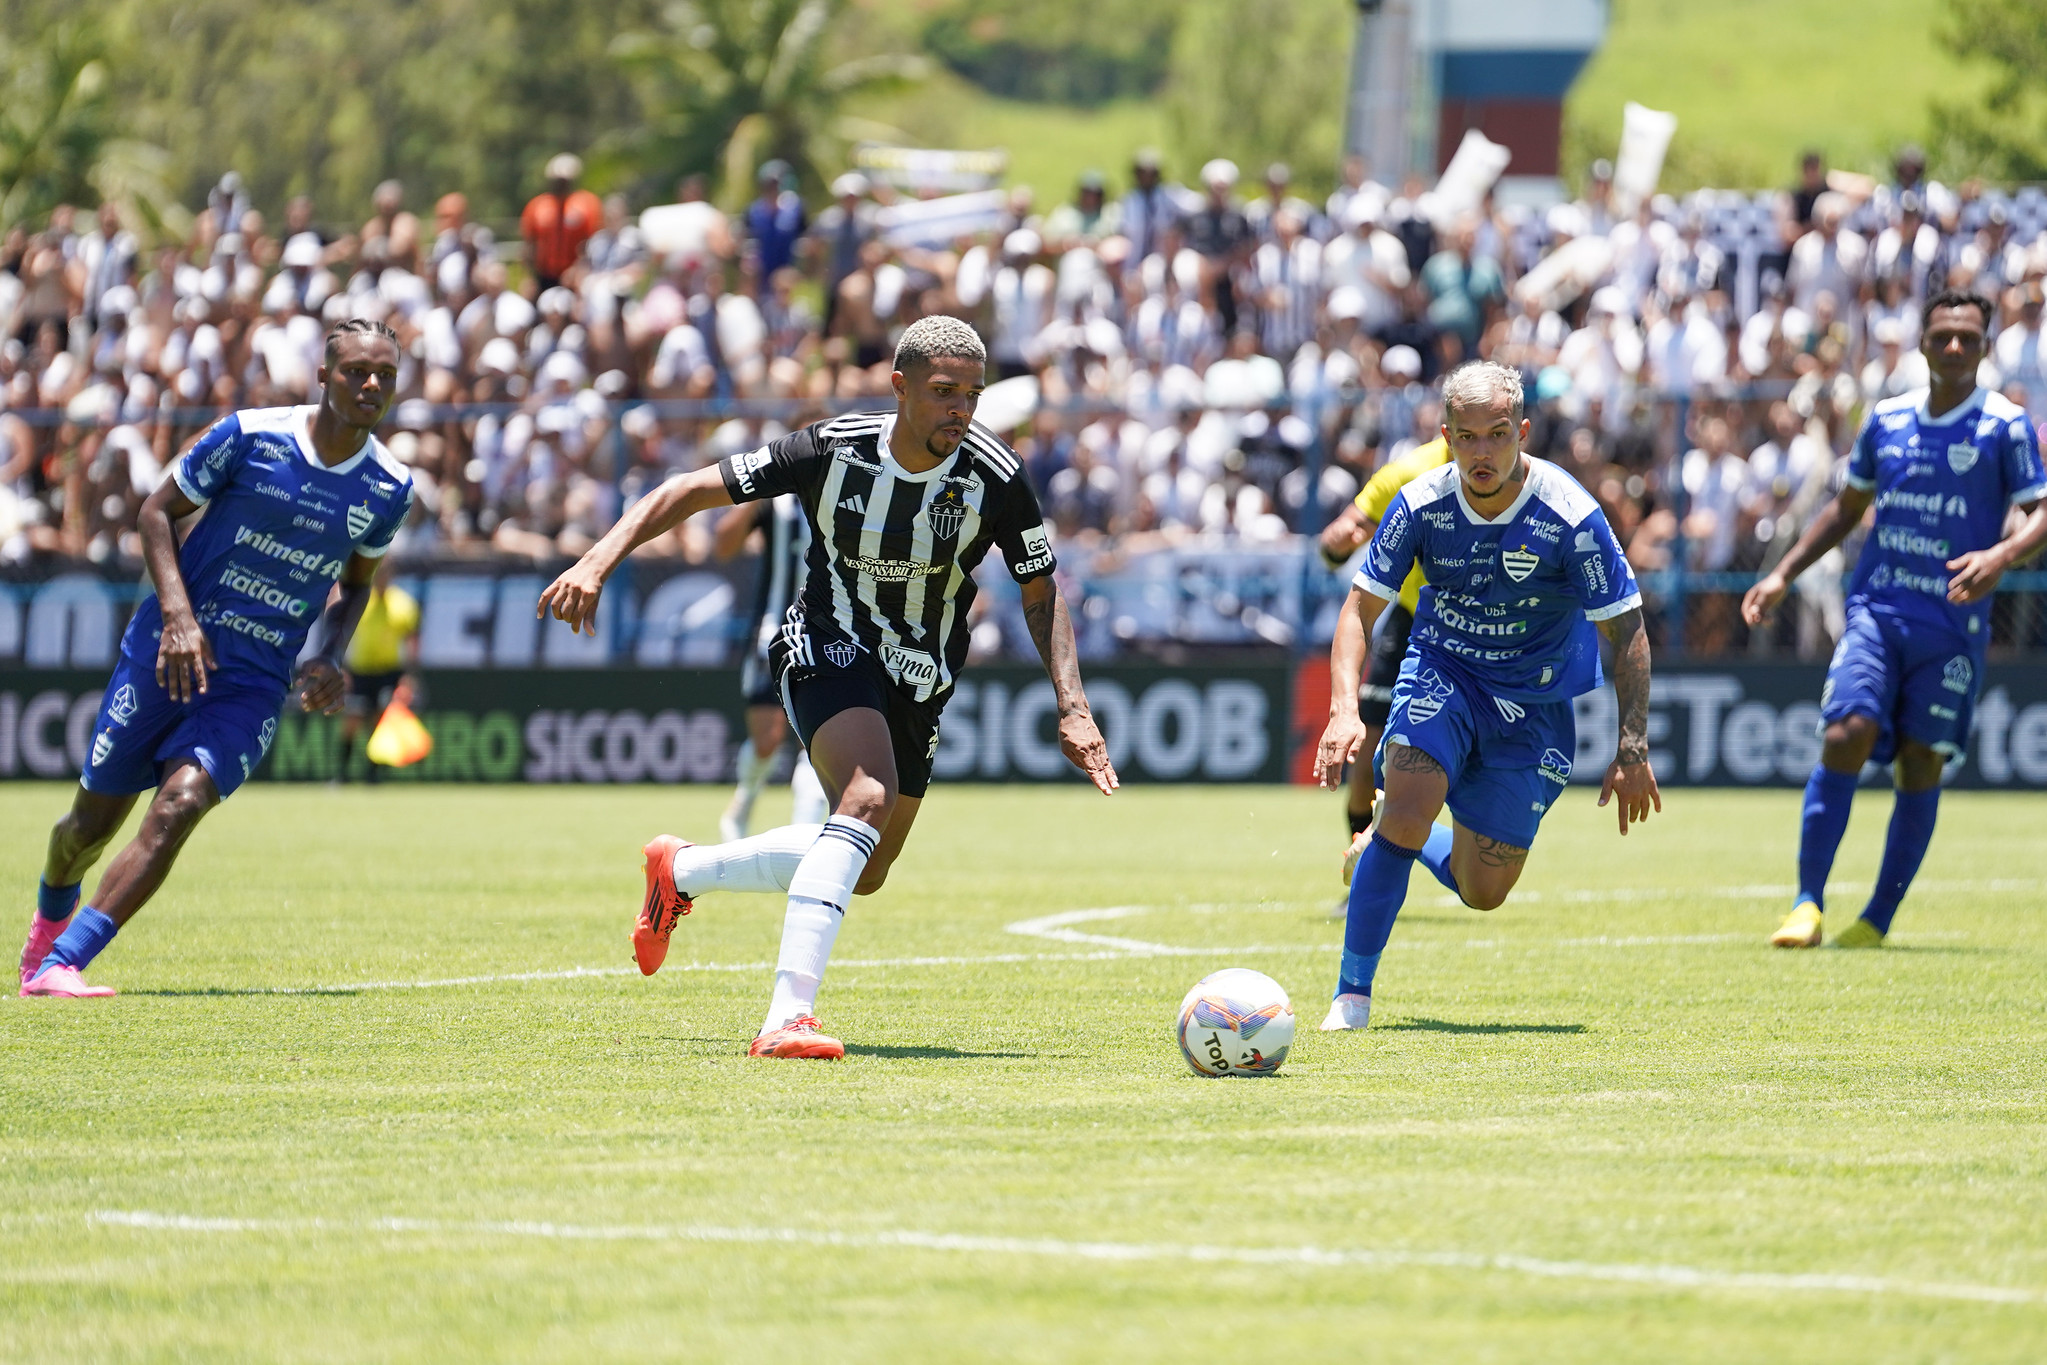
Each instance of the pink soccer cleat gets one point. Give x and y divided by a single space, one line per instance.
42 936
63 983
798 1038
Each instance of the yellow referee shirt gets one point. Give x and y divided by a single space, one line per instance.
1377 495
390 619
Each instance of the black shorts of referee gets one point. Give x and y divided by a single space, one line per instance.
1382 671
841 676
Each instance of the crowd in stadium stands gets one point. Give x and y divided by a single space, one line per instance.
1189 344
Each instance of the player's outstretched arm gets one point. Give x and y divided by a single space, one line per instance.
1052 631
1345 731
1827 530
573 596
184 654
321 683
1977 571
1629 776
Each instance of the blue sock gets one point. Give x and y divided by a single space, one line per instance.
1904 848
1435 856
78 945
1828 795
1375 896
56 902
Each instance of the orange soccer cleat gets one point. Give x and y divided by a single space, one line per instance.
664 904
797 1038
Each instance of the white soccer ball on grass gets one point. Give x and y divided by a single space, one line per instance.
1236 1022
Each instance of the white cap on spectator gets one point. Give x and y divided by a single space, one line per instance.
1611 302
559 300
1401 362
852 182
302 252
1346 301
118 301
1221 171
1889 332
641 422
611 383
512 314
499 356
563 368
1022 242
565 166
1361 208
1567 220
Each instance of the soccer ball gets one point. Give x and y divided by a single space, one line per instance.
1236 1022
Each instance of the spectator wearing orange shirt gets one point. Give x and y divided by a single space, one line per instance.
557 222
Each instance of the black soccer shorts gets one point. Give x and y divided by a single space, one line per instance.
842 677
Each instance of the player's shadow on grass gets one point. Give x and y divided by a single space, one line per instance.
894 1050
1448 1026
246 990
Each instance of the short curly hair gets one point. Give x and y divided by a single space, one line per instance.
938 337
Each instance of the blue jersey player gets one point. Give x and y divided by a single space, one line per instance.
1524 576
1942 467
295 500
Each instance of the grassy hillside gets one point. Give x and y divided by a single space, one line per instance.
1754 82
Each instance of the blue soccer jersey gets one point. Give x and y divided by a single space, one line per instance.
1942 484
279 528
1512 599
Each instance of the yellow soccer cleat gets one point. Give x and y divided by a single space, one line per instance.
1801 928
1353 853
1861 934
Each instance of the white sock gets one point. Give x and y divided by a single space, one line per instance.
753 772
818 894
810 807
766 862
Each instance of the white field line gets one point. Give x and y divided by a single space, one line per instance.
1672 1277
1111 948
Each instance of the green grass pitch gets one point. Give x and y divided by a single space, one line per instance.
1605 1123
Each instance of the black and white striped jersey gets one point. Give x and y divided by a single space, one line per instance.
785 532
892 553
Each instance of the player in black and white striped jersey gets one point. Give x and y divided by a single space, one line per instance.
784 538
902 506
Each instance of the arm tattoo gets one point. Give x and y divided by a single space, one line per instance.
1630 683
1052 632
1493 853
1402 759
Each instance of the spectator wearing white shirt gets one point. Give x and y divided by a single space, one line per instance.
1715 479
1830 258
1895 368
2020 358
1370 260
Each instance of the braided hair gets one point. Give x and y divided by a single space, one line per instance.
357 327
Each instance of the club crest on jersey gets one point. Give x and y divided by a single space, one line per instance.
359 518
1520 563
841 653
947 511
102 745
1962 456
1427 696
122 708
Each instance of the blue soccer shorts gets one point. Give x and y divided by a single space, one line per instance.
140 729
1507 761
1914 678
